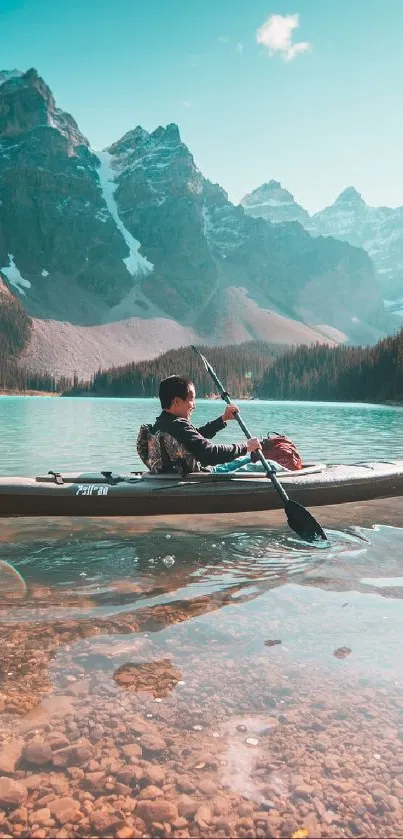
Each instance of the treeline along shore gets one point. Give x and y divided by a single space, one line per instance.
253 369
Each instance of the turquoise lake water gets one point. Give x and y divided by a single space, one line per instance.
57 433
268 671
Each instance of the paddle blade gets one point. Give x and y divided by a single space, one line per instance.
302 522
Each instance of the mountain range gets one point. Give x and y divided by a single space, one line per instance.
378 230
120 254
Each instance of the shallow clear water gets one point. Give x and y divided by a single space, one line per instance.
248 682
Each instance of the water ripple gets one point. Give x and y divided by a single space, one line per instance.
117 574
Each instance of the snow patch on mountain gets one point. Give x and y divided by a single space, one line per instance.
135 262
207 225
6 75
14 277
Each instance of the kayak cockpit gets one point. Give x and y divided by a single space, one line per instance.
112 479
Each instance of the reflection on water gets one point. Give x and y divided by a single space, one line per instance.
180 684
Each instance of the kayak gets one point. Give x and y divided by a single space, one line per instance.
144 494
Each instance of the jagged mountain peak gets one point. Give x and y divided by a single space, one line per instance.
349 205
350 195
27 103
169 134
273 203
139 140
272 189
130 141
7 75
16 82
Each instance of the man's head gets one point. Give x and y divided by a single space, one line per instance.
177 395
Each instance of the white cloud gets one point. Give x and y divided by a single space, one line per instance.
276 35
224 39
239 48
186 104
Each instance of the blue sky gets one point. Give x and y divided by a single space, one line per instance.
250 106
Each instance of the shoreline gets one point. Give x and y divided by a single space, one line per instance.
8 392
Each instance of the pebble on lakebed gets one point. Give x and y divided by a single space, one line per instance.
342 652
245 748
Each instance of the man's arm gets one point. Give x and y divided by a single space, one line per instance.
210 429
208 454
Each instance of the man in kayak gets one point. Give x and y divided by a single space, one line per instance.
174 444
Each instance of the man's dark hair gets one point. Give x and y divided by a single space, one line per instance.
171 387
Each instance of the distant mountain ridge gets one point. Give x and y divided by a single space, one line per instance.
275 204
378 230
136 247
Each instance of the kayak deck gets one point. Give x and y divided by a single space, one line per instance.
143 494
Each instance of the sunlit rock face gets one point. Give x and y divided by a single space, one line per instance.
55 228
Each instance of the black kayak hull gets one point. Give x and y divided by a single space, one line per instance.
95 495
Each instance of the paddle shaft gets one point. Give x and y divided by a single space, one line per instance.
299 519
268 469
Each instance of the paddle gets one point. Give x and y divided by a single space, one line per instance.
299 519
